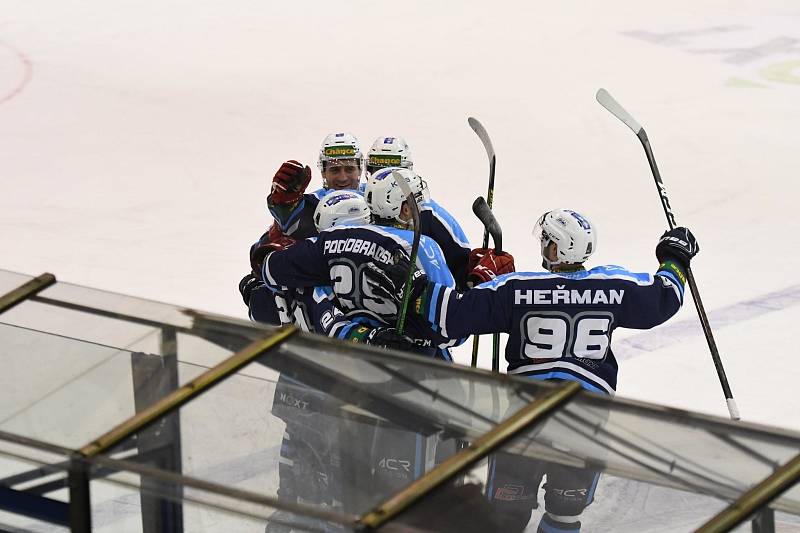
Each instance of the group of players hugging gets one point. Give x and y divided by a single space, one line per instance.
335 262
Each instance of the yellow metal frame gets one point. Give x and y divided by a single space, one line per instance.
182 395
25 291
755 498
520 421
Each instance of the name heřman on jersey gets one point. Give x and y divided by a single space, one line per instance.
560 295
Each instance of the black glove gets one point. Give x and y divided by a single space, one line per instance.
677 244
249 284
386 280
389 338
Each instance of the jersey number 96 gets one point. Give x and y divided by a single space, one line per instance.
551 335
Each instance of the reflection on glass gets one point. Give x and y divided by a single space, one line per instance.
11 280
68 392
321 424
33 493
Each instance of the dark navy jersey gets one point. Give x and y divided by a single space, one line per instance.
303 307
298 222
266 306
559 324
441 226
337 258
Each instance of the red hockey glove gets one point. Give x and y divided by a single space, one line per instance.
274 242
289 183
488 265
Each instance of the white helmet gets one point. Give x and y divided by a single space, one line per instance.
574 235
384 196
341 207
389 152
338 147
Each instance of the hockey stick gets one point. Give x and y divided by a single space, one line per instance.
607 101
484 213
478 128
412 203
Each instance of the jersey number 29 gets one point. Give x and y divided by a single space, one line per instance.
352 291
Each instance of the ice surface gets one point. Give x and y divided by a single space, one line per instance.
137 141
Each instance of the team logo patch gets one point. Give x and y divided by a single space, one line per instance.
341 197
582 221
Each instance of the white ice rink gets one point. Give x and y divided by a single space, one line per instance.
138 140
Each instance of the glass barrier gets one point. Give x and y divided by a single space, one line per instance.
33 481
615 466
338 427
68 392
333 424
124 500
503 493
130 323
124 496
12 280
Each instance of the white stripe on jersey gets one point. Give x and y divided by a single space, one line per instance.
334 332
670 283
555 365
586 274
443 313
265 269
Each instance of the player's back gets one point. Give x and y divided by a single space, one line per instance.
339 256
561 324
347 250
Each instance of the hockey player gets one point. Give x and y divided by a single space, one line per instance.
388 152
340 163
435 221
337 258
560 324
311 460
315 309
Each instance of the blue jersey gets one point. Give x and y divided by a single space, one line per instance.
559 324
337 258
441 226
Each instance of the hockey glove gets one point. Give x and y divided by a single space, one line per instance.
289 183
386 280
677 244
487 265
274 242
248 285
389 338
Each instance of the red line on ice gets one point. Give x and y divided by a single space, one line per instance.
27 67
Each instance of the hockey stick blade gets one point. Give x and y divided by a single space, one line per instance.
412 203
478 128
485 215
608 101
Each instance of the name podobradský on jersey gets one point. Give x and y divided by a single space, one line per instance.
561 295
358 246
